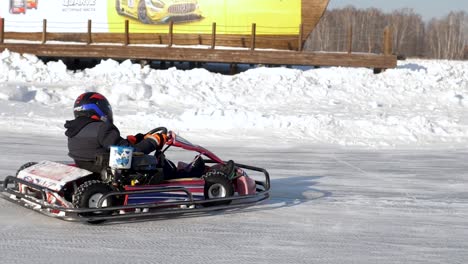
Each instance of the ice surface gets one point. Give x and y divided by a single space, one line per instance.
328 205
365 168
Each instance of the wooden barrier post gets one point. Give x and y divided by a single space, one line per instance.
2 30
213 36
252 37
388 41
127 33
350 39
171 34
300 40
44 31
89 32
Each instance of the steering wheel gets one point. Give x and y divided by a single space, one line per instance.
162 130
160 153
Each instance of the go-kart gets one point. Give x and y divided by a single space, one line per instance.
133 185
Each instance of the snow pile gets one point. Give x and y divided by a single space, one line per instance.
420 103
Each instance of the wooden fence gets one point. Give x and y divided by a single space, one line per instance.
289 52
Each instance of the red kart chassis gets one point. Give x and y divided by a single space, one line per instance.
47 200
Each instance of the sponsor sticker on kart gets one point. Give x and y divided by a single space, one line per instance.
120 157
52 175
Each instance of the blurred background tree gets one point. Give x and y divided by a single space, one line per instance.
444 38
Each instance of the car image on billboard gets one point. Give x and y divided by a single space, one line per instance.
32 4
18 6
159 11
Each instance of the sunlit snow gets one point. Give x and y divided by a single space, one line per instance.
420 103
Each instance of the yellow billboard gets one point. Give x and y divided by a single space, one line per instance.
272 17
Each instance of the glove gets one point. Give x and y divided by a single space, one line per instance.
136 138
159 138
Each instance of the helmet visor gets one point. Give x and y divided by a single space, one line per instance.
96 109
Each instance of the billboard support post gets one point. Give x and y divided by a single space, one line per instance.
252 37
44 31
300 40
350 39
2 30
213 35
89 32
171 34
127 33
388 41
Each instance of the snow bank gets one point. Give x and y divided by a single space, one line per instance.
420 103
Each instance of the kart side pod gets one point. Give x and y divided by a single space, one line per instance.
245 186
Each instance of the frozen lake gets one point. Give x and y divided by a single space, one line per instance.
328 205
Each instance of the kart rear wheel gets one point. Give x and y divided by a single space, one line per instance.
217 185
88 194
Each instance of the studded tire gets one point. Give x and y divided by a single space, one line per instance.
217 185
88 194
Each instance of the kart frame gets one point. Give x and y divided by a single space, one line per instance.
133 211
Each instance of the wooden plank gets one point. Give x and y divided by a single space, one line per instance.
207 55
283 42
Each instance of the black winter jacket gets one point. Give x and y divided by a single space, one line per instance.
88 137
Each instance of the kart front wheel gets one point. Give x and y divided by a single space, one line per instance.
217 185
88 195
